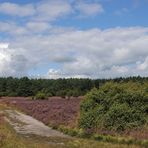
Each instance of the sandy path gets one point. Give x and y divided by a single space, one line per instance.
24 124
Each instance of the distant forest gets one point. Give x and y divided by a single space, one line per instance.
60 87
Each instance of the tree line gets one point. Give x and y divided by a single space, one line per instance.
60 87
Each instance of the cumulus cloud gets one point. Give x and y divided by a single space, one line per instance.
37 26
50 10
42 11
84 53
12 28
13 63
56 74
67 51
3 45
16 9
89 9
143 66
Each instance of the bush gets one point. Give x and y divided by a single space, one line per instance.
115 106
61 93
121 117
69 93
76 93
73 93
40 96
12 94
49 94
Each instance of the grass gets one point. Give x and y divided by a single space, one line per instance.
103 138
10 139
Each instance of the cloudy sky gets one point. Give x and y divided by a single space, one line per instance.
73 38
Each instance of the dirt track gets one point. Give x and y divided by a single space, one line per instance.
24 124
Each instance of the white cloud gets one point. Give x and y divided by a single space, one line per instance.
121 53
51 10
37 26
143 66
3 45
120 69
77 53
30 28
12 28
89 9
12 62
55 74
42 11
16 9
81 53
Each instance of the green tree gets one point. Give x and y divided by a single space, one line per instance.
24 87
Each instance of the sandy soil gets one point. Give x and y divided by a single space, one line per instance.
24 124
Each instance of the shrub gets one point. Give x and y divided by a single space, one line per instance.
3 94
69 93
61 93
115 106
12 94
49 94
121 116
40 96
76 93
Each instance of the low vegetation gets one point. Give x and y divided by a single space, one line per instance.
40 96
116 107
107 113
9 139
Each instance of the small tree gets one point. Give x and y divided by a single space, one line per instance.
61 93
41 96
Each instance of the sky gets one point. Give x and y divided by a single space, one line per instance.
73 38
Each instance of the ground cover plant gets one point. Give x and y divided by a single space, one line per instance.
10 139
54 111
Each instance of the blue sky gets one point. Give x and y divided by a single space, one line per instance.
73 38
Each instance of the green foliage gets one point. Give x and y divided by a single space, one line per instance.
121 116
80 133
62 87
46 92
40 96
24 87
49 94
12 94
30 87
69 93
61 93
76 93
73 93
115 106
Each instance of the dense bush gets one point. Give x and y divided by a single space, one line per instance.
115 106
40 96
73 93
61 93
